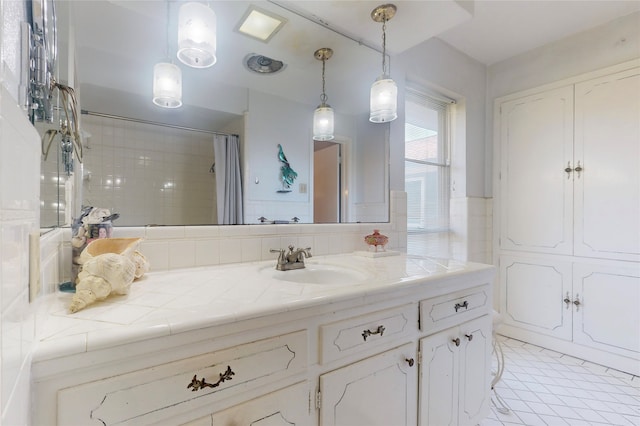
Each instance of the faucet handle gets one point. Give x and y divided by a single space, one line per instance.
276 250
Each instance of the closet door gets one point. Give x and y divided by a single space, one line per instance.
606 314
607 189
536 294
535 191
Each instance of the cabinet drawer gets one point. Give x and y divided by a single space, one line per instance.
352 335
454 308
288 406
149 395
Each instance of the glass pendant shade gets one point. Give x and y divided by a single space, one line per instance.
197 35
323 123
167 85
383 103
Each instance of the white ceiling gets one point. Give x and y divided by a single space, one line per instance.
119 41
502 29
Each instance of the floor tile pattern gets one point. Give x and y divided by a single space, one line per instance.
543 387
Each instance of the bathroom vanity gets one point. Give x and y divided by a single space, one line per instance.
348 340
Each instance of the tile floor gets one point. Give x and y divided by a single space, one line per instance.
543 387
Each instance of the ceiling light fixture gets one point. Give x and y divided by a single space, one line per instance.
323 115
197 35
383 102
260 24
167 80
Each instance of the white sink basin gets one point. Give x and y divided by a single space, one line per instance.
320 273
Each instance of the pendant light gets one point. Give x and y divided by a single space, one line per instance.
323 115
383 103
197 35
167 80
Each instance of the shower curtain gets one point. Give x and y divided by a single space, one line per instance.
226 149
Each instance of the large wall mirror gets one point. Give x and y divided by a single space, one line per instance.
155 165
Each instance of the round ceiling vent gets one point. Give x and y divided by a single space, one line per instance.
263 64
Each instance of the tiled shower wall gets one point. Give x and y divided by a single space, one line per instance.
142 172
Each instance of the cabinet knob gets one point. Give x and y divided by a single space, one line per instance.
567 300
568 170
578 169
469 336
410 361
576 302
456 341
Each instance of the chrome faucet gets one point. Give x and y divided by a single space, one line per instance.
294 259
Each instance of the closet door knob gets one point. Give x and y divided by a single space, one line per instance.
576 302
567 300
578 169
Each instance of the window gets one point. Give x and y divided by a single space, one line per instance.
426 169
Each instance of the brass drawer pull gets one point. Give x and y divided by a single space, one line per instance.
196 384
464 304
367 333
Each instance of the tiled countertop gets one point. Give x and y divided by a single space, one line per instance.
168 303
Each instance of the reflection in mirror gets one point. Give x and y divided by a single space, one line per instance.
155 166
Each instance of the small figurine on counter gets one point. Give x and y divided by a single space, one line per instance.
376 240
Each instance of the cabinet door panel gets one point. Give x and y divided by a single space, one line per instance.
535 192
380 390
439 377
532 293
607 191
475 370
286 407
608 315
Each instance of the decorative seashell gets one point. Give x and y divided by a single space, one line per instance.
142 264
123 246
92 288
114 268
101 276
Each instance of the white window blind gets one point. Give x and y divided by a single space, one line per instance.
427 161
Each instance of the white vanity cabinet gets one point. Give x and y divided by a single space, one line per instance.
568 228
455 358
286 407
377 391
345 359
454 374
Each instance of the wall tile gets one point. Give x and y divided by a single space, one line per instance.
182 254
207 252
230 251
157 253
251 249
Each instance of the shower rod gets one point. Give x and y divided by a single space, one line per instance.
153 123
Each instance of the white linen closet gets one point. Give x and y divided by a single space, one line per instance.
567 215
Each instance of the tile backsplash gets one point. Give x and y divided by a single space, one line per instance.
174 247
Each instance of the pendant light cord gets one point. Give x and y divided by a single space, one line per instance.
384 46
166 52
323 97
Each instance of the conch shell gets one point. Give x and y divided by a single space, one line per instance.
108 266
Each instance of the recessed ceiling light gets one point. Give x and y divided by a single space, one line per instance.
260 24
